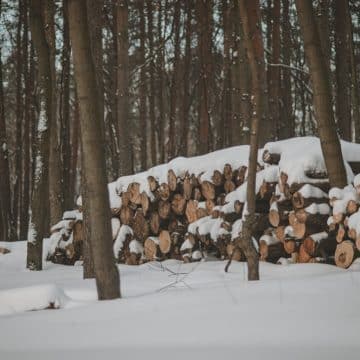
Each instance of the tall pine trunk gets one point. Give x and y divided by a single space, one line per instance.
122 91
330 143
92 139
38 223
343 73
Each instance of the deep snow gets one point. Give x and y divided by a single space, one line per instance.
303 311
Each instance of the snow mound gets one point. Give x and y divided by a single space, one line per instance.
31 298
308 155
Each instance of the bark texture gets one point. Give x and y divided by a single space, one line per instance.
107 275
330 143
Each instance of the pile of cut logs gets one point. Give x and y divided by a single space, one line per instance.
344 224
185 219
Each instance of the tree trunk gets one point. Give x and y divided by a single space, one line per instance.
330 143
183 149
142 91
287 123
203 18
122 91
174 85
38 223
342 60
240 83
274 71
68 190
160 84
6 220
92 137
250 17
55 186
149 7
24 207
19 121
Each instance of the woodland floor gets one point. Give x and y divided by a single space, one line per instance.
302 311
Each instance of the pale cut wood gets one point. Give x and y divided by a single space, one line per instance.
345 254
172 180
151 246
228 173
217 178
178 204
164 241
134 191
208 190
126 215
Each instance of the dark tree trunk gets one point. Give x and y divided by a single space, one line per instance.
8 230
38 224
151 96
68 190
204 26
343 73
287 123
274 71
122 91
142 90
174 85
19 121
240 83
183 148
92 138
330 143
24 207
55 187
160 84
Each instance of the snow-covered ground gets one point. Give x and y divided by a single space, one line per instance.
177 311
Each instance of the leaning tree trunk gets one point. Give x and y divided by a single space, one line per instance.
107 275
330 143
38 223
251 22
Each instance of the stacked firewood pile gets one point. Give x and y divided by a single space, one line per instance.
298 215
344 223
173 213
148 227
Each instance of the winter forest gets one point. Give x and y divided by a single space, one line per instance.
165 152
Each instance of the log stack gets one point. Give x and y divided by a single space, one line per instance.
344 222
186 216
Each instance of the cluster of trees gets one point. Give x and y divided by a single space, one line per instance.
96 89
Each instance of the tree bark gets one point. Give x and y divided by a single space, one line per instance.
274 71
19 121
8 230
287 123
25 200
122 91
142 90
330 143
343 72
240 83
92 137
251 22
65 144
151 96
204 25
174 85
38 223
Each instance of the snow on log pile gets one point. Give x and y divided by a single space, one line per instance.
192 207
